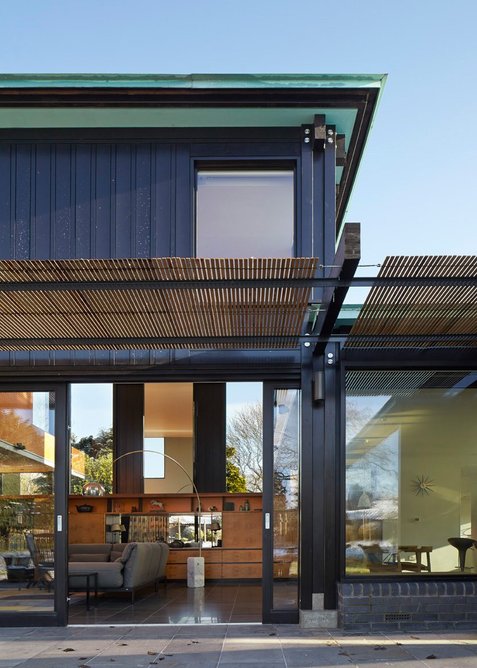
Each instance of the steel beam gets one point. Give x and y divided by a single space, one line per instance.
326 282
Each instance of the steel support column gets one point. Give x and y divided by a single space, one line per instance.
308 486
331 471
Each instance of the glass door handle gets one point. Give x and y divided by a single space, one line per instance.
267 520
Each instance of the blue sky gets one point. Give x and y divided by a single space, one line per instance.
415 189
92 405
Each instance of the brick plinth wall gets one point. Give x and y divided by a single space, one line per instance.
407 606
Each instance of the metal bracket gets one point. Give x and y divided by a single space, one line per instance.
319 133
340 150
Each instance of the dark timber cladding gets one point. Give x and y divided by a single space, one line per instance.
209 430
265 92
71 199
128 436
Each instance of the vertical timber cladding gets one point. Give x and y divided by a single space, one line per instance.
209 427
128 423
62 200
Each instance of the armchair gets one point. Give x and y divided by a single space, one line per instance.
41 548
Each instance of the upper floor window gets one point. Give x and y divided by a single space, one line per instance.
245 213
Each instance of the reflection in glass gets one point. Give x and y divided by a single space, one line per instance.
180 530
27 463
286 443
411 471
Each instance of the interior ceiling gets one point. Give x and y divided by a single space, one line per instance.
397 383
168 409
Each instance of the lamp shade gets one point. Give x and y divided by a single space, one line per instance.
117 527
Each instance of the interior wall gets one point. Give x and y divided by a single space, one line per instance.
429 436
175 480
438 442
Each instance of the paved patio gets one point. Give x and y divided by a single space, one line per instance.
229 646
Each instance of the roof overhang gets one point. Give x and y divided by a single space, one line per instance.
54 103
15 460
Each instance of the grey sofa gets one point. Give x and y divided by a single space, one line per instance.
124 567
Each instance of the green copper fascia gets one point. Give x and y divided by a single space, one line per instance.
183 117
212 81
58 117
62 117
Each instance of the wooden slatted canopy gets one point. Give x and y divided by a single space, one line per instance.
422 315
160 303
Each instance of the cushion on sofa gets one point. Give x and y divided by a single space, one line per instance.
75 549
110 575
144 564
126 553
117 551
89 557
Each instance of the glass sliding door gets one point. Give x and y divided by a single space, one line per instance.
282 437
32 503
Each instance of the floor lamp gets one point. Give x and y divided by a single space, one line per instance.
195 565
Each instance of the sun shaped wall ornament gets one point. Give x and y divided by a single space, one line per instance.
422 484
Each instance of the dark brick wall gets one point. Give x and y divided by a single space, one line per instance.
407 606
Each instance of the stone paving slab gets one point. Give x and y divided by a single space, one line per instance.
229 646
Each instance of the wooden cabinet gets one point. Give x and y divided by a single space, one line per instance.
242 529
238 557
177 563
170 503
89 529
86 527
220 564
242 564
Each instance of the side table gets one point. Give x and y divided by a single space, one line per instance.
90 577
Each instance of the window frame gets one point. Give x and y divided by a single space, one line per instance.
234 164
377 363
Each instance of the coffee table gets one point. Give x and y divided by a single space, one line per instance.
91 578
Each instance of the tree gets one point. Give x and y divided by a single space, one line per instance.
235 480
93 446
98 460
244 439
100 469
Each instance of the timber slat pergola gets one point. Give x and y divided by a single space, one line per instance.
232 304
420 302
157 303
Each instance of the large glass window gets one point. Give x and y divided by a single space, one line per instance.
286 458
244 446
245 213
27 469
411 472
91 436
168 437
